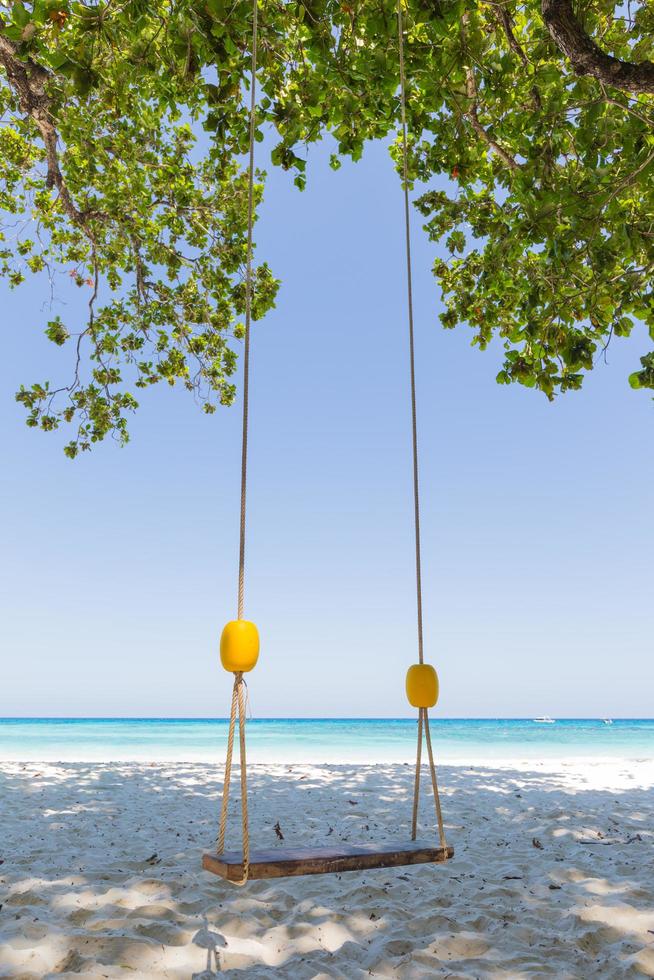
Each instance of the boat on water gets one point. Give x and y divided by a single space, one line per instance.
607 721
544 720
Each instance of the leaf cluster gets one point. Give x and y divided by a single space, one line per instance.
543 221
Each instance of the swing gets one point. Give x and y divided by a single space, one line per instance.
239 643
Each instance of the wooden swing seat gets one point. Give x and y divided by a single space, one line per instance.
285 862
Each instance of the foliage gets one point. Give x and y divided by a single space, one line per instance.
547 219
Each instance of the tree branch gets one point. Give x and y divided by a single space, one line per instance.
471 112
504 19
587 58
29 81
471 115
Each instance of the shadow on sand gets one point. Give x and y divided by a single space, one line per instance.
553 875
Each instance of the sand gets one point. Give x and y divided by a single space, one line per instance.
553 874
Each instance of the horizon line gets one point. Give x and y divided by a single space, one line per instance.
362 718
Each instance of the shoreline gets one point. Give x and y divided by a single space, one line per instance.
551 762
505 742
460 743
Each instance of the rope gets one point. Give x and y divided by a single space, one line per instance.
434 783
412 360
220 843
244 782
238 700
423 719
416 785
423 716
238 703
248 315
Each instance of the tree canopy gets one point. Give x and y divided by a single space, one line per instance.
124 124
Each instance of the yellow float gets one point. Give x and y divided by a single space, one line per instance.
422 685
239 646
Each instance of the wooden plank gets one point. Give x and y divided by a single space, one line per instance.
282 862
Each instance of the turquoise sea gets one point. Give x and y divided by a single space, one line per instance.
322 740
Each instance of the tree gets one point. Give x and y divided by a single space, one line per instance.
541 119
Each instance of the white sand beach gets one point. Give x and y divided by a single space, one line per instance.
553 874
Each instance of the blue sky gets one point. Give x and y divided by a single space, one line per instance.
119 569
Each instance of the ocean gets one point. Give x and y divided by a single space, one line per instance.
335 740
